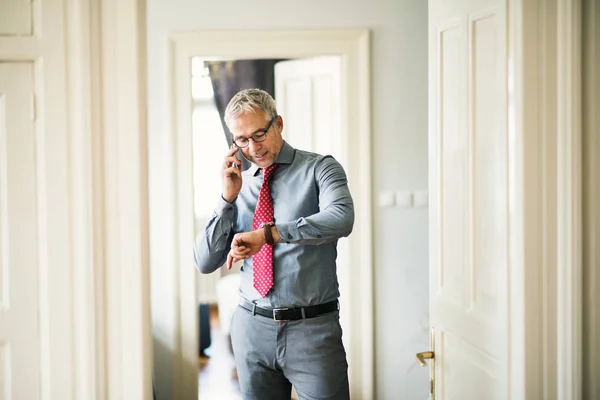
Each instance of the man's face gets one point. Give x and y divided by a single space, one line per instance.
254 125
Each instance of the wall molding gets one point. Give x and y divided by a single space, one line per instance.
569 201
84 207
525 217
122 173
547 78
545 126
591 198
107 174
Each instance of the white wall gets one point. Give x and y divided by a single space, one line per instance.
399 84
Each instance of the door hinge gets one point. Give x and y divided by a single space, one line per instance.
33 111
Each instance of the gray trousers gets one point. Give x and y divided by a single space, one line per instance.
272 356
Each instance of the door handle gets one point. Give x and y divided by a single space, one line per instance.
426 355
429 355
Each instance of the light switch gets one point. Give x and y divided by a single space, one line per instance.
404 199
386 199
421 199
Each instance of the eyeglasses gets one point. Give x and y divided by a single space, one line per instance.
259 136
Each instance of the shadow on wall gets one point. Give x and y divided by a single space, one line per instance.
162 378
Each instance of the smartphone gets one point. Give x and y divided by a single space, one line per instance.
233 164
239 156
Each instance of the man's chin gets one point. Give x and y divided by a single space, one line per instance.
264 163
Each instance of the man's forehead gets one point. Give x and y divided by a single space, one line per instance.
247 124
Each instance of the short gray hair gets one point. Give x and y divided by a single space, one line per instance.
249 101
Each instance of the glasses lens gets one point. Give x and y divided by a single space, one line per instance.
241 143
259 138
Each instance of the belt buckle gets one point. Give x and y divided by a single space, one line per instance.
275 310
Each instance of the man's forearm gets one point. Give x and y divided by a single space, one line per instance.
325 226
211 246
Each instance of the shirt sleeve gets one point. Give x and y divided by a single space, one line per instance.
212 245
335 218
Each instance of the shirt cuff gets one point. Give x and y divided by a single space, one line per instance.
288 231
224 208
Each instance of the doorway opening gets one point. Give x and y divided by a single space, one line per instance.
352 50
309 99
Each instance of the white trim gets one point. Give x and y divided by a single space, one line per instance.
185 380
569 201
524 197
546 98
546 199
591 192
125 173
81 163
353 46
54 202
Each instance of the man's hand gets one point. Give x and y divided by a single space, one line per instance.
245 245
232 175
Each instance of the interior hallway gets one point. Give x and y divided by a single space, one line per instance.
217 379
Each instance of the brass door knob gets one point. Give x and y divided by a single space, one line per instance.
426 355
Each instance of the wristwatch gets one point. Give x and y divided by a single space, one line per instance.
266 226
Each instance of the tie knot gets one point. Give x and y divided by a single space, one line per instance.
268 172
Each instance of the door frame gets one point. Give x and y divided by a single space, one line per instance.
545 136
569 201
354 48
108 195
89 108
591 198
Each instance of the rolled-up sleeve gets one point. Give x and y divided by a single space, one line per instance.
335 218
212 245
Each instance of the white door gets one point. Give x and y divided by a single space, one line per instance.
15 18
468 172
19 296
308 96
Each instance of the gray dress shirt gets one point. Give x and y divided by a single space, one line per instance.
313 208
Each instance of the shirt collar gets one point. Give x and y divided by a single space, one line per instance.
286 156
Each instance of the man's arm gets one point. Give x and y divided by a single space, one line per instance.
335 218
211 246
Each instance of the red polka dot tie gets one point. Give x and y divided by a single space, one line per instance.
262 261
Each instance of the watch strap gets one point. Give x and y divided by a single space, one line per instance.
267 226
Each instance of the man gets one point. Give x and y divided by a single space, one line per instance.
282 217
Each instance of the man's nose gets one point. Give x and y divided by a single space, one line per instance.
253 146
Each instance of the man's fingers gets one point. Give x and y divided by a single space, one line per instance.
230 171
232 162
233 258
232 150
240 254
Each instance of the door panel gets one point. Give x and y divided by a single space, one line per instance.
19 297
308 95
469 197
309 98
16 18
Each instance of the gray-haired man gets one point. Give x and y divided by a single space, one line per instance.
282 217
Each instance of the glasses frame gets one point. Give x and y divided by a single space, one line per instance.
258 136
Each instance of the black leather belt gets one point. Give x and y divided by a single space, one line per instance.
290 313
